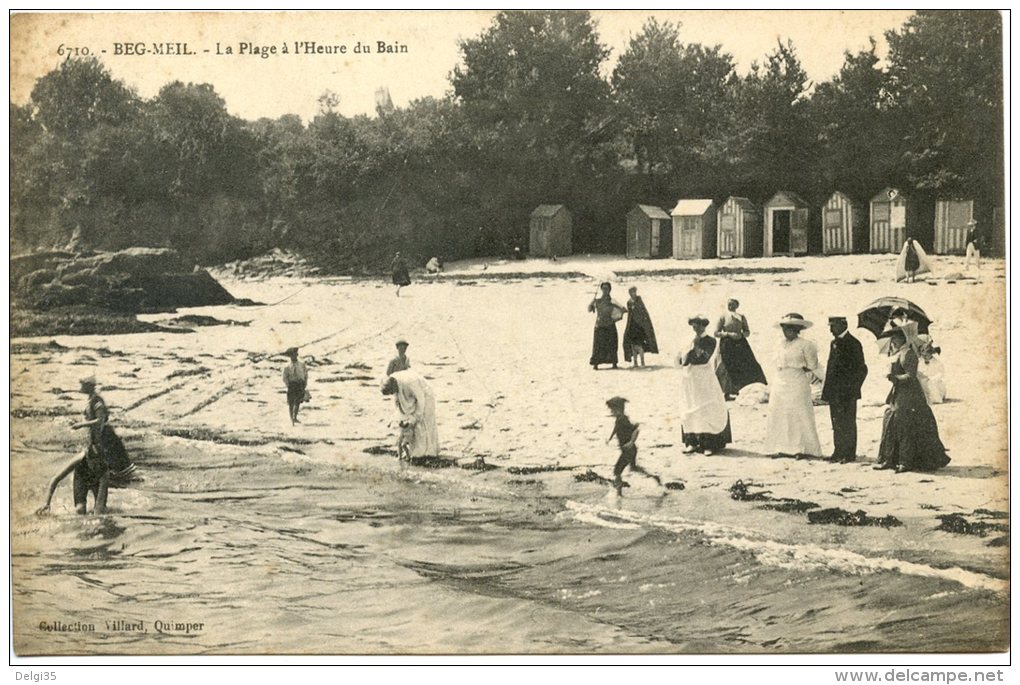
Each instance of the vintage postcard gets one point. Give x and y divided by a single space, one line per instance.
508 332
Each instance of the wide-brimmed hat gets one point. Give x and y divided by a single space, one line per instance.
907 330
698 318
402 341
291 352
837 319
794 319
90 381
972 222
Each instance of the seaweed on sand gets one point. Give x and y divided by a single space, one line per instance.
528 470
955 523
590 476
842 517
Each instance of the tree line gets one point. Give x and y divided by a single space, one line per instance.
530 119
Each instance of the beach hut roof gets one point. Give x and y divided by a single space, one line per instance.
653 212
741 202
546 210
691 207
887 194
787 197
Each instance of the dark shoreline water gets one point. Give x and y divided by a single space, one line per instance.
276 552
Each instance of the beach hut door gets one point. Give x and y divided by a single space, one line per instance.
798 231
728 235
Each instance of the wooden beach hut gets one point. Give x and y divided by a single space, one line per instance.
694 231
551 231
844 226
951 225
649 232
888 222
739 229
786 220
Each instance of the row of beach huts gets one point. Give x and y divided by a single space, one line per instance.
786 225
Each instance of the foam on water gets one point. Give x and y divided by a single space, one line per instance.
796 557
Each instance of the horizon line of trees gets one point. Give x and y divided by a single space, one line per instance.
530 120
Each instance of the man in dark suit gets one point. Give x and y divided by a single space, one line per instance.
844 375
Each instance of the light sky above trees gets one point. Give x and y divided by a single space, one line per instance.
254 87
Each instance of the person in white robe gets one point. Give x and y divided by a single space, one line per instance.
791 426
417 406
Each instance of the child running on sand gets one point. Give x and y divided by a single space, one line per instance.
627 433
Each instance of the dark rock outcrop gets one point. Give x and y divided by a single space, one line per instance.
135 280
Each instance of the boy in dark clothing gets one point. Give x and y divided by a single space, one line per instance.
627 433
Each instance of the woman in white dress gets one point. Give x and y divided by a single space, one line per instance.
791 421
417 407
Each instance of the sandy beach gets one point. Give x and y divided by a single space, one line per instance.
315 539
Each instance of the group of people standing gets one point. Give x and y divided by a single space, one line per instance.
910 440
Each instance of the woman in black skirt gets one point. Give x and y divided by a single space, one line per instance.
910 435
606 341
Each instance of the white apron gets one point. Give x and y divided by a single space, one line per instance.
702 404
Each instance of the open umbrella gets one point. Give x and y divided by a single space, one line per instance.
875 317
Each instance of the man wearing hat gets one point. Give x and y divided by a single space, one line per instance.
401 362
973 244
844 375
295 377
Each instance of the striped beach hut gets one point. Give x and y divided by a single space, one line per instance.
739 229
551 231
787 216
951 225
649 232
844 227
888 222
694 231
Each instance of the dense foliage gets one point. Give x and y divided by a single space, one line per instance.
533 117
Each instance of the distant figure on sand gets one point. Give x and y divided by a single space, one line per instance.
295 378
434 266
626 433
844 375
401 362
913 260
103 459
737 364
791 419
639 335
973 245
401 277
606 340
419 436
910 435
704 420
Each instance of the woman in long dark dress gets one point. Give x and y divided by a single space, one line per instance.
401 276
606 340
910 435
639 335
704 421
738 366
